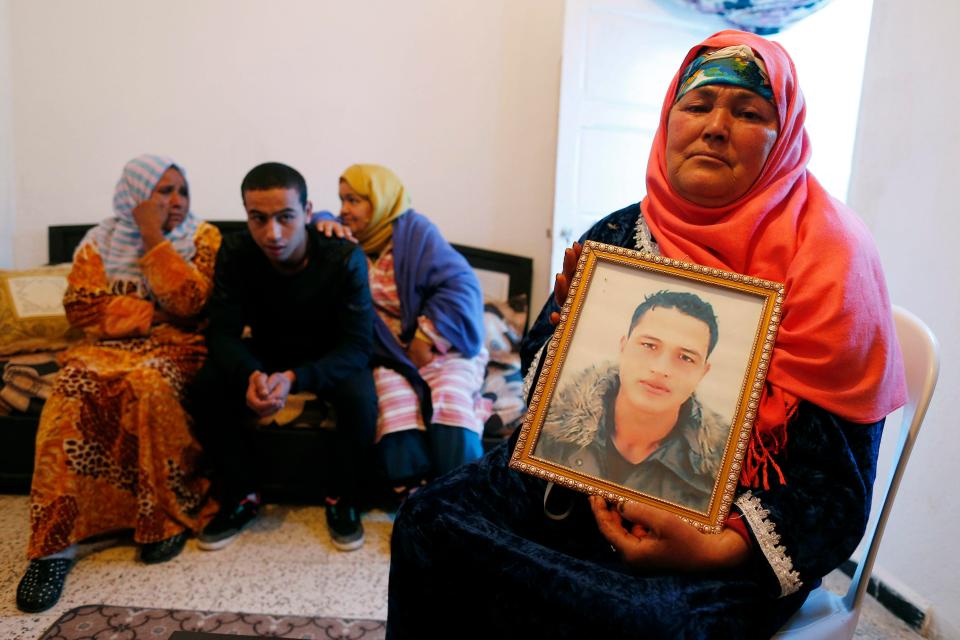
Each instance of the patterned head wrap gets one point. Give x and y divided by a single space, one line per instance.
118 239
836 346
388 198
736 65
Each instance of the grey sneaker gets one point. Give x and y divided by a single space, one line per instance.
346 530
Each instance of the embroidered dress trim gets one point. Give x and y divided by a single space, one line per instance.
644 239
769 540
528 380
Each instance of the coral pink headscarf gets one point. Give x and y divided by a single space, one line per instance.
836 346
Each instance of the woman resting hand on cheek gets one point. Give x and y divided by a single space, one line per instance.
114 446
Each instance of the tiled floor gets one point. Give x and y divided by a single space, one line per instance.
876 623
283 564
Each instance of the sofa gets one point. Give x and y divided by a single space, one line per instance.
32 338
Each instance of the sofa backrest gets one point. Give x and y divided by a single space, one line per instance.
505 277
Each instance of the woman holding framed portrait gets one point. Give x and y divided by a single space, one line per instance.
728 188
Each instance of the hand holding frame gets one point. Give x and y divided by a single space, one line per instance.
561 285
650 539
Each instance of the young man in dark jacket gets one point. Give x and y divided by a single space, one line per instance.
304 301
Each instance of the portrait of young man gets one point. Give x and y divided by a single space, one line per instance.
637 422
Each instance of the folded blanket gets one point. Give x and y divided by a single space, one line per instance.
27 382
503 384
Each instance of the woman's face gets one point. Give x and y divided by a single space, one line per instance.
355 210
718 139
172 196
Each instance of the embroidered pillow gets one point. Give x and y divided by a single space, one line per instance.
31 310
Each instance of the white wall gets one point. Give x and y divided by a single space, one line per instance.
7 197
459 98
904 185
831 80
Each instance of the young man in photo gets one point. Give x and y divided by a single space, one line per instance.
638 422
304 303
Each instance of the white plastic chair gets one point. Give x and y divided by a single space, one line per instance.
825 615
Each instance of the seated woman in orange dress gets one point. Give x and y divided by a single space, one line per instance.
114 446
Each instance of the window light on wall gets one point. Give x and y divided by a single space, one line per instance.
829 50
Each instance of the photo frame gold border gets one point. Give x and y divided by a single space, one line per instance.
772 293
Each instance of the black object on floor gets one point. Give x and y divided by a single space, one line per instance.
166 549
42 584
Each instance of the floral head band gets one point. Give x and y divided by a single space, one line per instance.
737 65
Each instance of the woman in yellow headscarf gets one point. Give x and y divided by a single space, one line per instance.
428 356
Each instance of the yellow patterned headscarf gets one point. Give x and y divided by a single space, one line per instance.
388 198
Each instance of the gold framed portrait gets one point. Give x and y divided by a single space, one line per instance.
649 388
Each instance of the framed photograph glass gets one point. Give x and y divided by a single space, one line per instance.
651 382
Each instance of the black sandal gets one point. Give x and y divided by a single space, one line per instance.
166 549
42 584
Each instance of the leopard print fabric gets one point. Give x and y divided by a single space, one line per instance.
114 447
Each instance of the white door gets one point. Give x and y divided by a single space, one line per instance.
618 58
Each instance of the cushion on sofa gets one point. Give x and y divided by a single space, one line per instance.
31 310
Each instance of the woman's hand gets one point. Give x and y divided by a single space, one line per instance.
651 539
561 286
162 317
150 217
332 228
420 352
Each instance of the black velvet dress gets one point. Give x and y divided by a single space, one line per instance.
475 556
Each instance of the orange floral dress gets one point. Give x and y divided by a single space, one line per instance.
114 446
